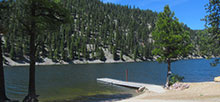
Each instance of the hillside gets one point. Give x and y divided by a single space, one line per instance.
97 30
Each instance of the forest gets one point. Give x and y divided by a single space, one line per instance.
95 27
68 30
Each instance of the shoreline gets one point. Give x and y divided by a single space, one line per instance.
47 61
50 62
210 93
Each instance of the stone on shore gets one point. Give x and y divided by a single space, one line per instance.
179 86
217 79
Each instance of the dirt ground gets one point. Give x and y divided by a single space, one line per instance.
197 92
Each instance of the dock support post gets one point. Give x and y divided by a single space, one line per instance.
126 74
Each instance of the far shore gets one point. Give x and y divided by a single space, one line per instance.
50 62
197 92
47 61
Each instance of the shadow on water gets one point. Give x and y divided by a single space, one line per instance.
98 98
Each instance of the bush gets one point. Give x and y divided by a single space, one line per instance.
215 63
175 78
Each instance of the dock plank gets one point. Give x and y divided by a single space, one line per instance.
150 87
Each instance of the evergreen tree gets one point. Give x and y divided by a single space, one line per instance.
39 15
4 12
62 51
115 55
71 50
135 53
12 53
102 55
56 55
171 40
121 55
213 25
212 19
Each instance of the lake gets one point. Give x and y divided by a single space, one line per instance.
77 83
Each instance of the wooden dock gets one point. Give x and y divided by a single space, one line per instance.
150 87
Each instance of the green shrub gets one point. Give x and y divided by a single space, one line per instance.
175 78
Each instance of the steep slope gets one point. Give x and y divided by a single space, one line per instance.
95 28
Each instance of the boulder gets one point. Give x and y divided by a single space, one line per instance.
217 79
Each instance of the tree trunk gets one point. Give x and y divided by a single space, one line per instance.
32 97
168 73
3 96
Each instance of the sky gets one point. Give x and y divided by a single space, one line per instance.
190 12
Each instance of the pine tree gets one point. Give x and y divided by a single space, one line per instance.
4 12
121 55
56 55
115 55
39 16
213 25
12 53
62 51
171 40
135 54
71 50
212 19
102 55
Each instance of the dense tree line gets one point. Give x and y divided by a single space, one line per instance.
95 28
35 29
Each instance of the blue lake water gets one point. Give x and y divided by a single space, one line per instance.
77 83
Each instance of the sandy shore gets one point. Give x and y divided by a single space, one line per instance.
197 92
